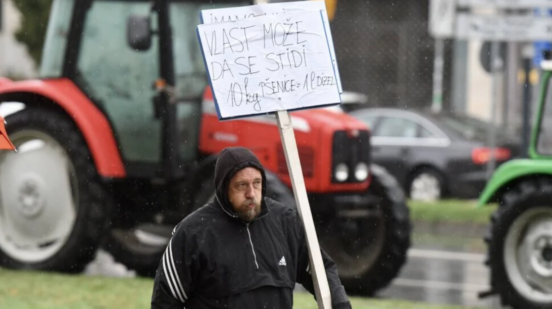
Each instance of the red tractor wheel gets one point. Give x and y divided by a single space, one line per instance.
370 251
53 209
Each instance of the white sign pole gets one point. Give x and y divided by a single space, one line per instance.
287 135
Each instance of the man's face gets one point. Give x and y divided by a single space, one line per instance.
245 193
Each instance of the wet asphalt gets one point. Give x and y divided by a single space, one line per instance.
442 277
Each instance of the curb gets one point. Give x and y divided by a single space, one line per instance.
469 230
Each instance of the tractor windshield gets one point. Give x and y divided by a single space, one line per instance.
190 73
191 76
53 53
544 134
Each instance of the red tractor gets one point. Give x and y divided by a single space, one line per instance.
118 138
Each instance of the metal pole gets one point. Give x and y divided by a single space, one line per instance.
459 76
526 107
496 66
438 64
287 135
511 92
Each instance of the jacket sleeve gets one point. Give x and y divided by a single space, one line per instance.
304 273
173 280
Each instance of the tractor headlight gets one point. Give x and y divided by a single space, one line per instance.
341 172
361 171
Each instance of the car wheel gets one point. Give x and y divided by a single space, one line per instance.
426 185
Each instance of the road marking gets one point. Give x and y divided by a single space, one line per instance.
440 285
446 255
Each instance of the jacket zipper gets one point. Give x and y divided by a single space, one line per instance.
252 247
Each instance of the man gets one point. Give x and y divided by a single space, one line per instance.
241 250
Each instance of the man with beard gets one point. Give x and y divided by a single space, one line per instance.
242 250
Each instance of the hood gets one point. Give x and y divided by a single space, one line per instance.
229 162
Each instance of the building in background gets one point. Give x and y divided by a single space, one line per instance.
384 50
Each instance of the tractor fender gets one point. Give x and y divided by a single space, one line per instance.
89 119
507 175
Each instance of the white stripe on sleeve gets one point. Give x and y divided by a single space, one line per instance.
167 275
175 273
170 275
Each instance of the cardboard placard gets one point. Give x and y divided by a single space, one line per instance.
244 12
269 63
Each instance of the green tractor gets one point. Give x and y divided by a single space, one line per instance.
519 239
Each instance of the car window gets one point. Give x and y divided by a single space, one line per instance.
396 127
471 128
425 133
369 120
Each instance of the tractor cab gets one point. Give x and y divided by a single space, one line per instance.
141 65
541 141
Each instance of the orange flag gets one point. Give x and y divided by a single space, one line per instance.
5 142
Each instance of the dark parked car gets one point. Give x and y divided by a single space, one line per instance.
435 155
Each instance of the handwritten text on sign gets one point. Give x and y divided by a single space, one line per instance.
210 16
269 63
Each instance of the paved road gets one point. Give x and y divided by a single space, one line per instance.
442 277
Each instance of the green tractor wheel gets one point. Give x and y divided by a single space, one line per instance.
520 246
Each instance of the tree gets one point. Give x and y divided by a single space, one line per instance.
34 22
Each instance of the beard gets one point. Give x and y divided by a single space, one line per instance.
246 213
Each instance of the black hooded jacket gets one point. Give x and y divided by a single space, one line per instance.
215 260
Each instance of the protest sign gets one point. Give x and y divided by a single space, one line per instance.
269 63
244 12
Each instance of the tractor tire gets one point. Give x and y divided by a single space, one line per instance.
127 247
519 242
55 211
130 248
370 262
